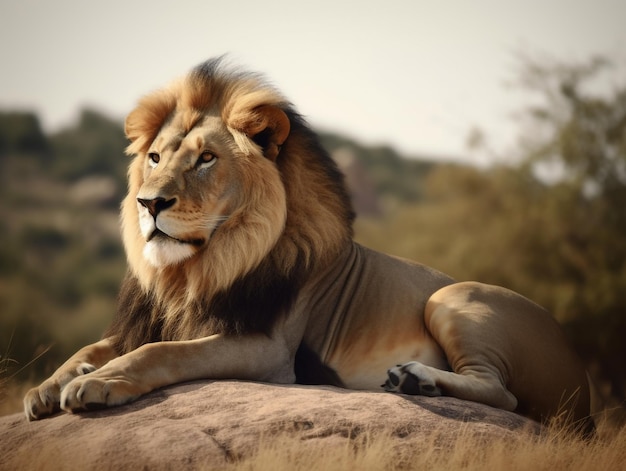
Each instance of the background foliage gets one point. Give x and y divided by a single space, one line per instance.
549 221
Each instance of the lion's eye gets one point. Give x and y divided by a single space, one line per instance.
153 159
206 160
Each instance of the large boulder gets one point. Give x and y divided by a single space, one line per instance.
208 425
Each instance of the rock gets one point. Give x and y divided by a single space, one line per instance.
208 425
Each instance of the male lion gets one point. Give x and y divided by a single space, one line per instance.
238 232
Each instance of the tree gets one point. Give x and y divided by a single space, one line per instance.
584 134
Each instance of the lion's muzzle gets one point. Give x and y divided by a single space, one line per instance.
156 205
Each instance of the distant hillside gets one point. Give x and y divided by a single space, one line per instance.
393 177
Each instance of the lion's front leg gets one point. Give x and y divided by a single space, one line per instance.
154 365
46 398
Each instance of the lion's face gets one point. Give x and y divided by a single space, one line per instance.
191 185
194 188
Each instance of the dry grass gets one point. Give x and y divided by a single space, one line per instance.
552 450
11 390
7 392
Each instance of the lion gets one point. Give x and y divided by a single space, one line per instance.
238 233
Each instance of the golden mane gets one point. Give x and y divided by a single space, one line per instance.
296 218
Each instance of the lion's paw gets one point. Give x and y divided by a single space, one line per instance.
83 395
42 401
411 378
45 399
96 391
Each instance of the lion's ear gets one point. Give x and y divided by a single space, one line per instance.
143 123
267 125
132 127
137 131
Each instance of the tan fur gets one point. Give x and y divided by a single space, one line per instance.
252 274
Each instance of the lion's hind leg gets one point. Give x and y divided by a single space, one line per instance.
508 350
476 340
415 378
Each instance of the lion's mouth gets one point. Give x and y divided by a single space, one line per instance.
159 234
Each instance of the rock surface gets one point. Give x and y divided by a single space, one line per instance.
207 425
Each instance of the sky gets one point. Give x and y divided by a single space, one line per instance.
416 75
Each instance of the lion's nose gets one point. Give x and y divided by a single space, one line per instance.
156 205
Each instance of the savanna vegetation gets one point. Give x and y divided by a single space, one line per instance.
468 451
549 221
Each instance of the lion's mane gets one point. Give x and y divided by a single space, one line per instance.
255 263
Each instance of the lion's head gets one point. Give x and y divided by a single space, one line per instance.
226 178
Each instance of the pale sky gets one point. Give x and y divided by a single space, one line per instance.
417 75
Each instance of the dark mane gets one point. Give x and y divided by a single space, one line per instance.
252 304
324 164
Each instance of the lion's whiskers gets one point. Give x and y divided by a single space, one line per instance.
211 222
